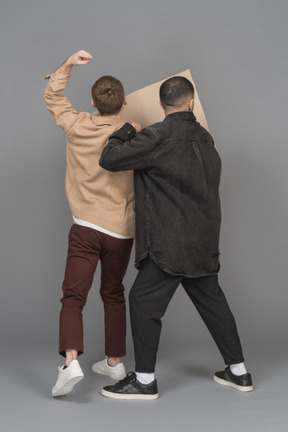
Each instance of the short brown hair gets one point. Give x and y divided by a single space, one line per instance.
108 95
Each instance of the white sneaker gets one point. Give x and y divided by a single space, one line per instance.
67 378
115 372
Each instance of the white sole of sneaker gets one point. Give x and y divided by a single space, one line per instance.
111 375
129 396
67 387
230 384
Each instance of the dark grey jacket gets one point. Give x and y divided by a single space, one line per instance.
177 175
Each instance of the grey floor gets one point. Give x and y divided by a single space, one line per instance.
189 398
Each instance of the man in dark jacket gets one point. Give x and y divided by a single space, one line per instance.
178 216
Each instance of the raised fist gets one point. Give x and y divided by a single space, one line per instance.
80 58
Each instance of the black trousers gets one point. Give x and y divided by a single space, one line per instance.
149 298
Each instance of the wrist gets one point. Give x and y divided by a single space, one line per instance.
69 62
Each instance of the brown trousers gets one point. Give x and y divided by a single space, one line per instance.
86 247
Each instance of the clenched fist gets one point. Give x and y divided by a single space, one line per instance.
80 58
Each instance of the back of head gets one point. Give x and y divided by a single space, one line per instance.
108 95
175 92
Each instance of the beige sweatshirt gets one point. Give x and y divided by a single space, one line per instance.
94 194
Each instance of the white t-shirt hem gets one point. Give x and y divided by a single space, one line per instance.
84 223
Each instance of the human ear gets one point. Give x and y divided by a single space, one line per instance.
191 104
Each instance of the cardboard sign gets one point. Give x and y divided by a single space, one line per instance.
143 105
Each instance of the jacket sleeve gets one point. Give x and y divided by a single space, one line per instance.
127 150
63 112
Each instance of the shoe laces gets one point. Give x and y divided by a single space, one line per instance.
124 380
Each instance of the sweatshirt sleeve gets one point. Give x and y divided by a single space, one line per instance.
127 150
63 112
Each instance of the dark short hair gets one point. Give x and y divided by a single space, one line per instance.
175 91
108 95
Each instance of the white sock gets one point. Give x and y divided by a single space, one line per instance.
238 369
145 378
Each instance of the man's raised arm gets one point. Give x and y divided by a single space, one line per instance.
58 104
79 58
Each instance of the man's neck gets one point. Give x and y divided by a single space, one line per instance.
117 116
114 116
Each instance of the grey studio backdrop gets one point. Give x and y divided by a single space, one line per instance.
237 54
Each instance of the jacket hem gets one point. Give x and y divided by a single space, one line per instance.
172 272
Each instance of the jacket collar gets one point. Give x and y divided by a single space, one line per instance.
104 120
182 115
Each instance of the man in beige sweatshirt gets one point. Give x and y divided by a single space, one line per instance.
102 206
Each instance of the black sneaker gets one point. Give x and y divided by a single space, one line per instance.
131 388
242 383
